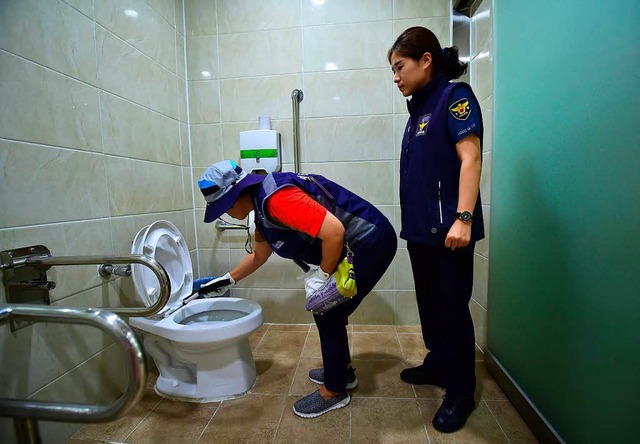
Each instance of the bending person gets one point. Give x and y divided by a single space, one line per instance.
311 219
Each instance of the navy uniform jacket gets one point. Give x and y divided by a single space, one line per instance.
440 115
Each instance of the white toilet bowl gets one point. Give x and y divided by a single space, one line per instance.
202 349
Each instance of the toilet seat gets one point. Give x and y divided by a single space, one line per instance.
162 241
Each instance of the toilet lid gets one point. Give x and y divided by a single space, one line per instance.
162 241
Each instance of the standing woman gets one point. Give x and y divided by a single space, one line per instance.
441 211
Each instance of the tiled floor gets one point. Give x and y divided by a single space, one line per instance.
383 409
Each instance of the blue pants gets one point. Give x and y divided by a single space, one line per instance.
444 282
370 261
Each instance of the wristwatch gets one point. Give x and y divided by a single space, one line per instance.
464 216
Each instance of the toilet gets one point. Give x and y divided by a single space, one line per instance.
202 349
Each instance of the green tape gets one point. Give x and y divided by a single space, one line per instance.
258 154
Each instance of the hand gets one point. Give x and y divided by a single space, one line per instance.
314 281
459 235
217 287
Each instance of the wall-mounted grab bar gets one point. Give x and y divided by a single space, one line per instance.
296 98
26 411
45 261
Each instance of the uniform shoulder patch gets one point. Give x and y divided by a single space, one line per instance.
461 109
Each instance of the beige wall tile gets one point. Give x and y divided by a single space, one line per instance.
130 74
479 316
249 15
344 11
204 102
485 177
200 16
486 106
180 55
41 106
133 131
404 9
481 26
406 308
179 14
403 273
276 273
480 279
206 145
349 139
347 93
137 186
52 34
365 46
246 99
261 53
36 186
286 306
482 247
84 6
482 72
166 8
202 58
141 26
376 309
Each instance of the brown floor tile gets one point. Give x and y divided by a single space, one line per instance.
312 346
251 419
173 421
332 427
289 327
119 429
486 386
302 385
511 422
376 346
373 328
381 378
481 427
256 336
409 329
412 346
281 344
386 421
274 375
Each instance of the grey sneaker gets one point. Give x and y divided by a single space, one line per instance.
314 405
317 375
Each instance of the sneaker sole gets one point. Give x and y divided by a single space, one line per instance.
350 385
345 402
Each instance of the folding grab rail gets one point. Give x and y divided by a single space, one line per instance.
27 412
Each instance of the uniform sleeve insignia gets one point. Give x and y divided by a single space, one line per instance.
461 109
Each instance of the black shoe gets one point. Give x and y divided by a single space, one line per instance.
317 375
453 413
420 376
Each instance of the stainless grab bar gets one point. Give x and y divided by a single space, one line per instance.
110 323
155 266
296 98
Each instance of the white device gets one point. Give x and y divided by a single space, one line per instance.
260 150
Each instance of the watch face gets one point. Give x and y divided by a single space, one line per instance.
465 216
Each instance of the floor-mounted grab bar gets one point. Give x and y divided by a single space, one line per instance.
15 260
26 412
296 98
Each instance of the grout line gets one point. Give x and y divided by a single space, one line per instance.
495 418
208 422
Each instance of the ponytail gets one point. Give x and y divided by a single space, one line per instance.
415 41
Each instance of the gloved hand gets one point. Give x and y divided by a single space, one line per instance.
314 281
217 287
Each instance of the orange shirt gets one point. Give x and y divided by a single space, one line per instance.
294 208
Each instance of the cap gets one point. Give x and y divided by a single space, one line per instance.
221 185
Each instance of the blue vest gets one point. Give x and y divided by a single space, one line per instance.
430 168
360 219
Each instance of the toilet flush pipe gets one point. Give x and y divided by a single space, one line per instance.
296 98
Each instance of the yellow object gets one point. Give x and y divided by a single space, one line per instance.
346 277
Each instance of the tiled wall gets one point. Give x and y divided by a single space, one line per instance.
481 69
92 148
244 57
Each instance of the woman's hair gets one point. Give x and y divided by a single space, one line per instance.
415 41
